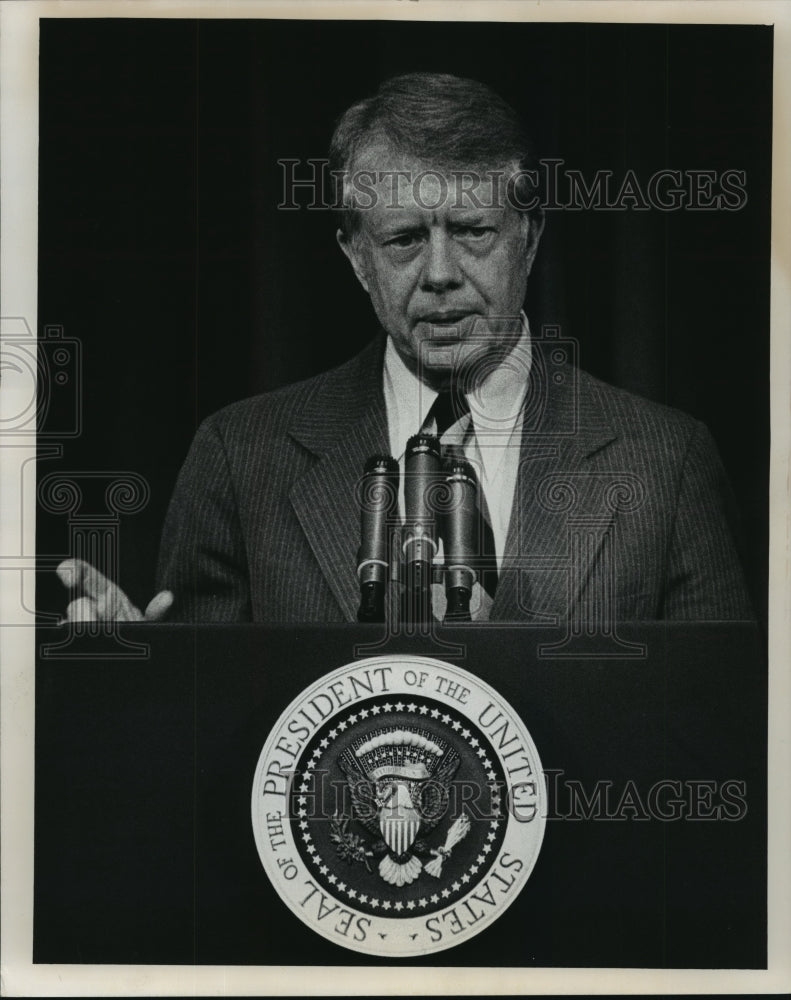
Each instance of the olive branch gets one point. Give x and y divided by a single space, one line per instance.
350 847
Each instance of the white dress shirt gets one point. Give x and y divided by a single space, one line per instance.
490 436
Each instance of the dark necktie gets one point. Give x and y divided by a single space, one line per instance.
446 410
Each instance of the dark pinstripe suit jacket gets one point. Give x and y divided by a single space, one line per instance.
618 500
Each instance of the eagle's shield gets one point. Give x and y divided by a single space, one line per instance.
399 820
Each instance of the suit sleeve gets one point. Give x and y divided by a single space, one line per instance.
704 578
202 557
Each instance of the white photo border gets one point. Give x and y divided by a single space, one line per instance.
18 293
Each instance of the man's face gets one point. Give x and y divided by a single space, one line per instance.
446 272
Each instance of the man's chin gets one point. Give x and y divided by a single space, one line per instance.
461 363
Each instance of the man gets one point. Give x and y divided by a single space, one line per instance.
600 505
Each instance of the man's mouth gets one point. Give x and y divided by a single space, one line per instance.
445 318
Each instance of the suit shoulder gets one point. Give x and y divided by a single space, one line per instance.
275 412
271 409
634 415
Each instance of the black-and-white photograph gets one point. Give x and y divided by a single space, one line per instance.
188 245
401 480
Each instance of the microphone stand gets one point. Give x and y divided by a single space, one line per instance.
429 485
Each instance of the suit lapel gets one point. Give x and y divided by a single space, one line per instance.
343 425
346 422
563 428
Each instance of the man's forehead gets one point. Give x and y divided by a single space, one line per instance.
399 181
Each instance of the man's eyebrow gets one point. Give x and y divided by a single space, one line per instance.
471 218
468 212
391 227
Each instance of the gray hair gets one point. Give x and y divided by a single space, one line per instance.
452 123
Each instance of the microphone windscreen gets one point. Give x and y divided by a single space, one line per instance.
422 465
378 499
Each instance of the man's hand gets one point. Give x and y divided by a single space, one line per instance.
95 598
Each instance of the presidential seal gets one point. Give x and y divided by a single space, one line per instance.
399 806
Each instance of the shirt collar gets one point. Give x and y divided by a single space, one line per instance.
495 405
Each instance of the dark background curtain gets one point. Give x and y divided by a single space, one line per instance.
162 249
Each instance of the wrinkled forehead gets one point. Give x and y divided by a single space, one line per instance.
380 178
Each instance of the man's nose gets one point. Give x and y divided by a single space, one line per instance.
440 267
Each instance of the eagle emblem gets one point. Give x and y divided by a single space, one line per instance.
399 779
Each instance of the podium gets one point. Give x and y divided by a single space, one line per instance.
654 852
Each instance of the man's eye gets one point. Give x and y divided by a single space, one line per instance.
403 240
476 232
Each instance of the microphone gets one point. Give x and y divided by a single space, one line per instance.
422 465
378 496
459 538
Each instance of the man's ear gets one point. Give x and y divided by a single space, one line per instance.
534 226
351 248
